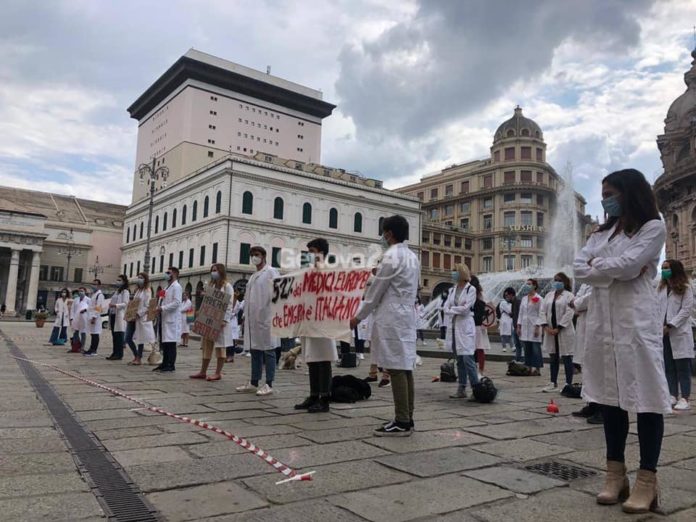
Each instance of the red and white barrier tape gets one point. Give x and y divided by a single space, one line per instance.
292 474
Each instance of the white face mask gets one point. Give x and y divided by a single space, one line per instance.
256 260
140 282
214 276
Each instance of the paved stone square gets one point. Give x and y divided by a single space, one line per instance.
466 461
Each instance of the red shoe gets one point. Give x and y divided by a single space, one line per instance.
215 377
197 376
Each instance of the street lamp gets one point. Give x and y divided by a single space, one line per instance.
97 269
150 174
69 249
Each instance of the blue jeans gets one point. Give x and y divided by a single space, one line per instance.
258 359
466 367
532 354
58 332
678 371
567 365
505 340
518 346
130 332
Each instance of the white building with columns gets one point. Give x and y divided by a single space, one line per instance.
51 241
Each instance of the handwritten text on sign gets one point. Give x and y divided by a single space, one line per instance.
317 303
211 315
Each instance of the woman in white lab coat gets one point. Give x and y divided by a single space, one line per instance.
623 364
59 334
117 317
144 330
186 307
236 327
461 331
79 320
420 320
528 329
556 318
505 323
579 304
676 303
480 314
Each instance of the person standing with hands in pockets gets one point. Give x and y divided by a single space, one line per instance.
390 299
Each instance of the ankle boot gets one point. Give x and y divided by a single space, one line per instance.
616 487
320 406
644 496
306 403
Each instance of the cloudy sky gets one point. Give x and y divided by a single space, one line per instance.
419 84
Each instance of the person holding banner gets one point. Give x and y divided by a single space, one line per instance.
144 330
186 307
170 321
117 317
319 352
390 298
257 324
218 280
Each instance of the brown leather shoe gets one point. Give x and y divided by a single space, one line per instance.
645 495
616 487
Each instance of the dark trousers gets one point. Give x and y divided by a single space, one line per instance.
443 332
130 331
319 379
678 371
567 366
94 343
518 345
59 332
168 356
419 335
117 339
403 392
651 427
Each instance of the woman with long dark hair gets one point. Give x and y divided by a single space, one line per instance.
624 368
676 303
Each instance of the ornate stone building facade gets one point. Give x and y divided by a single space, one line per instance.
676 187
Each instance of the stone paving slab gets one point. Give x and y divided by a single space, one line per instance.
165 439
522 450
430 440
125 433
26 433
217 446
515 430
41 484
438 462
136 456
320 454
62 507
581 440
26 419
51 444
311 511
25 464
514 479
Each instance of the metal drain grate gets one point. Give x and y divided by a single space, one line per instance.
561 471
115 491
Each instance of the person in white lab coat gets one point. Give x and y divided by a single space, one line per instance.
117 317
96 308
218 279
482 342
528 329
170 321
390 298
591 411
505 322
79 318
237 313
676 303
421 323
186 307
556 318
144 332
461 330
257 324
59 334
623 365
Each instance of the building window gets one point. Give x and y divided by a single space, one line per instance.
247 203
457 260
174 218
465 207
43 272
436 259
464 187
183 215
488 203
201 259
449 190
156 224
457 242
540 178
526 153
194 211
526 261
357 222
526 198
468 245
206 206
526 218
137 270
307 214
509 177
509 262
154 265
421 195
540 261
488 222
275 257
540 154
447 262
509 198
464 223
436 238
161 264
128 235
526 242
181 260
171 260
433 193
278 207
164 222
425 258
487 264
333 218
540 219
509 219
449 210
218 202
425 238
540 242
448 240
496 156
540 200
379 226
434 214
487 243
190 257
509 153
215 253
526 176
141 230
78 274
244 253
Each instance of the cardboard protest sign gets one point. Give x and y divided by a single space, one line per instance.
317 303
211 315
152 309
132 309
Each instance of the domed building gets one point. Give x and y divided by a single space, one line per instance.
492 214
676 187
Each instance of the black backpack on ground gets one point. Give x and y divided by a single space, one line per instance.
485 391
348 388
517 369
447 372
572 391
348 358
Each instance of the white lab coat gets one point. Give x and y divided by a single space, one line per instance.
79 315
120 299
505 321
529 319
236 328
623 349
676 309
170 315
226 336
318 349
96 307
421 323
62 313
365 328
144 329
459 318
581 300
390 298
257 310
564 319
185 307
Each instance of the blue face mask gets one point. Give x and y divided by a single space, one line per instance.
612 206
455 277
383 241
525 289
558 286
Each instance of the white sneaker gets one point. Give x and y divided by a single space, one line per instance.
504 350
672 400
247 354
550 388
361 356
419 361
246 388
264 390
682 405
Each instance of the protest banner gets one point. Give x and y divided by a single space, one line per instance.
317 303
132 309
152 309
211 315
